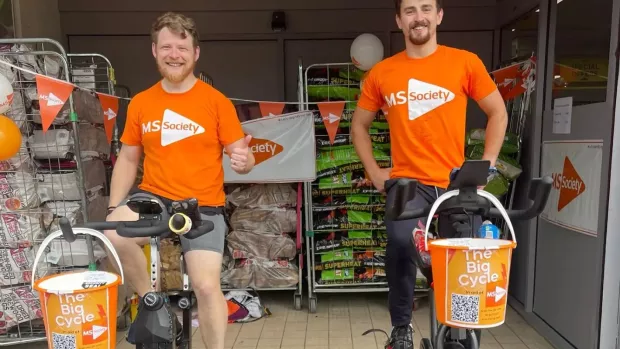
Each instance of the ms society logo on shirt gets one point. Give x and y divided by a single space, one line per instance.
174 127
421 97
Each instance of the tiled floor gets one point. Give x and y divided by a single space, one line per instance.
339 323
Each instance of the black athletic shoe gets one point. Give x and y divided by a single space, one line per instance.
131 335
401 338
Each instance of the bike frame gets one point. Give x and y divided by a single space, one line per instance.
439 331
463 197
186 294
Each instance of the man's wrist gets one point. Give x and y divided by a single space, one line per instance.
375 172
492 159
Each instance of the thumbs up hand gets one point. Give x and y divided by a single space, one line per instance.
247 140
241 157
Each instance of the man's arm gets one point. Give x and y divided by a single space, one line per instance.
240 151
124 173
232 138
484 91
369 103
126 166
360 135
495 109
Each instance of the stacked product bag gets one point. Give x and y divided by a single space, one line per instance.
20 221
507 164
58 187
349 239
37 186
347 213
260 247
334 84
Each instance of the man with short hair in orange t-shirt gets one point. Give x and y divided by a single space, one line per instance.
425 89
182 126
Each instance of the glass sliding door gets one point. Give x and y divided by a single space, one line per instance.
576 143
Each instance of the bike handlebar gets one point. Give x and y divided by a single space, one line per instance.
467 199
179 223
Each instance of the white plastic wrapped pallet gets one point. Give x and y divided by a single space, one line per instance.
259 248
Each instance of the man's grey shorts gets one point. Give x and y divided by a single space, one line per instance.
211 241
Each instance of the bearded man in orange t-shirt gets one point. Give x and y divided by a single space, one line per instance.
425 89
182 125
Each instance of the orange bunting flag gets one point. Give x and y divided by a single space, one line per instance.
53 95
271 108
515 79
331 112
109 104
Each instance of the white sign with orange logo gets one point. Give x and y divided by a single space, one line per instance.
283 147
575 167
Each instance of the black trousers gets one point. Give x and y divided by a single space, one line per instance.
401 254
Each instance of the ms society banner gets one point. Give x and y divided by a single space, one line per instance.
283 147
575 167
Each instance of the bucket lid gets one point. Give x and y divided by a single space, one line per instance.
473 243
82 281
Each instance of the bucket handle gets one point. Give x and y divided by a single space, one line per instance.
482 193
76 231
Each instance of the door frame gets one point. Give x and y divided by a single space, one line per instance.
609 329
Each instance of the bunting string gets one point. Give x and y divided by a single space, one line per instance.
53 93
129 98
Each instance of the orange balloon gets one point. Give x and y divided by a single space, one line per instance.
10 138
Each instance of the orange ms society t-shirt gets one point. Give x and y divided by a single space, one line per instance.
183 136
426 101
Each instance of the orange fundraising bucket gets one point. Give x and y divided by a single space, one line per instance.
79 308
470 275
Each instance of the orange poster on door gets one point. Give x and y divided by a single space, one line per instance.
53 95
331 112
109 104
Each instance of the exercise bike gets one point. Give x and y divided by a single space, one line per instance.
462 198
155 325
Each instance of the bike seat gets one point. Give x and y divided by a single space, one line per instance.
146 204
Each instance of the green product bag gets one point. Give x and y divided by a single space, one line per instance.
338 274
336 162
352 73
506 165
477 137
343 254
497 185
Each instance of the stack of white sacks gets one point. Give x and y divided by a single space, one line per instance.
40 184
260 246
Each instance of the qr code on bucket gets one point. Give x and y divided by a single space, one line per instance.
63 341
465 308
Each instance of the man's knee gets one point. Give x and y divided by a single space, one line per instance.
204 272
121 214
400 233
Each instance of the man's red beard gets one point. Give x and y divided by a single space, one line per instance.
177 76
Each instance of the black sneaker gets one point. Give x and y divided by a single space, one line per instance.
131 335
401 338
